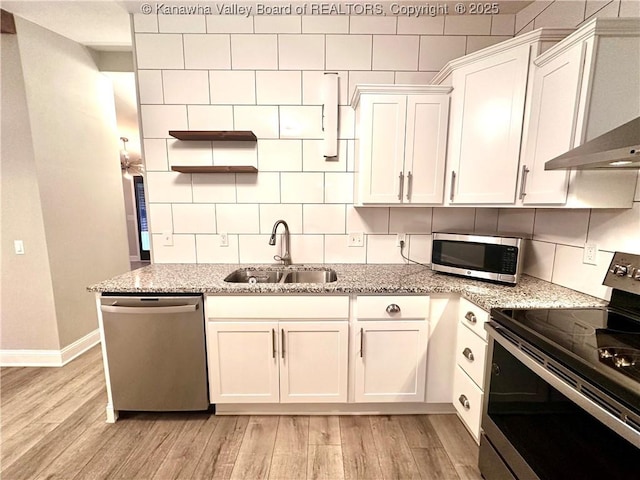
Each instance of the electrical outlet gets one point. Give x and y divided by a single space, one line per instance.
401 237
590 254
355 240
224 240
167 239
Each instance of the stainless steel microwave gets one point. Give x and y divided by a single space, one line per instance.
486 257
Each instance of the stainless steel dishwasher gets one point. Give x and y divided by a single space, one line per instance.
155 352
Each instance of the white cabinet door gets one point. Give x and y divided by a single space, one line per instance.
487 111
382 133
551 127
313 361
426 148
390 361
243 362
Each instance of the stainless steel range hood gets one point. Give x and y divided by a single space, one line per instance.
619 148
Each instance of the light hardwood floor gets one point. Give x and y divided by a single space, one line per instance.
53 427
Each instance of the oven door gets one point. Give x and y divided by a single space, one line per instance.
535 425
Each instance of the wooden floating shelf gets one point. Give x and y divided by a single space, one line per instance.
217 169
215 135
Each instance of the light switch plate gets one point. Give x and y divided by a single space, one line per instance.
356 239
224 240
167 239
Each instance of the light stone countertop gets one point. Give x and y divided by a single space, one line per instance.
357 278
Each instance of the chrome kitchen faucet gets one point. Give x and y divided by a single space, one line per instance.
285 257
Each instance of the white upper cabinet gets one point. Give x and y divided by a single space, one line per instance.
400 144
582 87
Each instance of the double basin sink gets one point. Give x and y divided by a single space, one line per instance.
282 275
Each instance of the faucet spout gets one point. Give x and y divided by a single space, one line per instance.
286 256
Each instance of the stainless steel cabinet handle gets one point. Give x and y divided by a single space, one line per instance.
401 178
523 181
361 342
393 309
464 401
273 341
148 310
468 354
453 184
409 185
282 346
471 318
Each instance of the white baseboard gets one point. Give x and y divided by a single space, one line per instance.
49 358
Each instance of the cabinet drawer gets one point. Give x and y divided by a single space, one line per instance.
473 317
325 307
467 400
392 307
471 352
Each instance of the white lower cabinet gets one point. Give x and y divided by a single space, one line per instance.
467 400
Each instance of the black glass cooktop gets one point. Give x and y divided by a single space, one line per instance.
600 344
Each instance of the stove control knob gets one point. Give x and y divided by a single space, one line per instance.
635 274
620 270
621 361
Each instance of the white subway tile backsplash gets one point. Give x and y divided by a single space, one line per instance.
183 249
436 51
516 220
256 249
637 196
372 24
539 258
414 78
423 25
161 217
604 9
208 249
277 24
227 153
337 250
486 220
312 87
158 51
207 51
307 248
346 122
270 213
301 52
145 23
367 220
262 120
368 77
410 220
570 272
157 120
315 161
475 43
150 86
325 24
453 219
528 13
323 219
351 155
568 227
301 187
168 187
616 229
155 155
254 52
302 121
229 24
278 87
561 15
503 24
214 188
467 25
382 249
237 218
348 52
232 87
396 52
186 86
280 155
210 117
182 24
629 8
261 187
189 153
338 187
419 248
194 218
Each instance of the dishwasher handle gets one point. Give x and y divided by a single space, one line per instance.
146 310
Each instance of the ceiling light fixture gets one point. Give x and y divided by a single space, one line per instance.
129 167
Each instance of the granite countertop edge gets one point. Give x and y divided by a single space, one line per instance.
530 292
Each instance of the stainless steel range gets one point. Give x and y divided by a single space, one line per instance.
564 387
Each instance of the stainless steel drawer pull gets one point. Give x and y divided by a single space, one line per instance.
409 185
453 184
464 401
468 354
282 346
401 177
523 181
273 341
471 318
393 309
361 342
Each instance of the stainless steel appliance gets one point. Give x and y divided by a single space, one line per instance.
155 352
486 257
563 395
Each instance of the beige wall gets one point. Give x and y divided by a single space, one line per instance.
77 175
